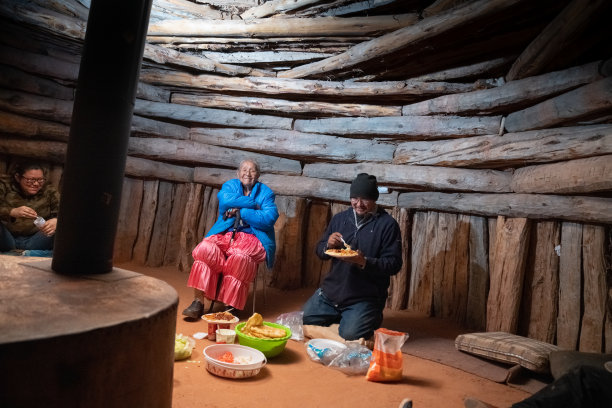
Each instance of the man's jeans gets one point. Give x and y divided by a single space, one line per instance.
356 321
36 241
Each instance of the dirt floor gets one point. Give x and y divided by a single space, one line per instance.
292 379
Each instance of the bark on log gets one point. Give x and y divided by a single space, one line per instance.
570 286
478 70
161 223
263 105
127 225
588 175
143 168
13 124
310 88
44 19
147 218
478 274
142 126
286 27
314 268
287 273
595 289
400 282
152 93
416 177
193 114
298 145
513 149
296 186
424 228
38 64
404 127
537 206
36 106
510 96
586 102
412 35
551 42
193 152
46 151
541 290
504 300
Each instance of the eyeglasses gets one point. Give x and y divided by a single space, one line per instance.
356 200
31 181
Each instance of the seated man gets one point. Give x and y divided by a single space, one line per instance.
24 196
241 238
355 290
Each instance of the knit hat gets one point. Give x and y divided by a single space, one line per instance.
364 186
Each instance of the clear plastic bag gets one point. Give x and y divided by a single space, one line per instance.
353 360
293 320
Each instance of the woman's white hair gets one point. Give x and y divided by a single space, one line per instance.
250 161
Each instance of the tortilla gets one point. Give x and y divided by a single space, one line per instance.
341 252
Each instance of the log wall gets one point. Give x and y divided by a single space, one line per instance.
502 194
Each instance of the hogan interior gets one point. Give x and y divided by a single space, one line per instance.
489 122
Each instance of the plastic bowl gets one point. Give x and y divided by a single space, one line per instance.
232 370
269 347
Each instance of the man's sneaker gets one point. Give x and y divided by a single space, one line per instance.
195 310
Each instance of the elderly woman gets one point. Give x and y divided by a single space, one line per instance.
241 238
24 196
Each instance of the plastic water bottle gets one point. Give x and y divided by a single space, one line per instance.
39 221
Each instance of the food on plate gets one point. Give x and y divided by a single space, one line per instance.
219 316
228 357
255 327
183 346
342 252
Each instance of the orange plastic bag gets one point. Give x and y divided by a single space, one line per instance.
387 361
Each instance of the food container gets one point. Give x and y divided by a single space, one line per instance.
214 325
39 221
269 347
232 370
225 336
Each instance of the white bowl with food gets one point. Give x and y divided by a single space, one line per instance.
233 360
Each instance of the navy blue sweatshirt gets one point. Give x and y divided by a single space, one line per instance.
379 239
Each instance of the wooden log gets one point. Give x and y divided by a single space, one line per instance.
212 211
46 151
513 149
43 65
143 168
404 127
18 125
608 326
424 228
311 88
173 249
424 30
478 70
208 116
492 221
460 269
297 145
345 7
161 223
275 6
478 274
189 236
504 299
287 273
286 27
204 214
183 8
266 58
146 220
593 174
400 282
586 102
416 177
13 78
199 153
152 93
254 104
537 206
167 56
439 6
142 126
570 286
296 186
36 106
55 175
595 288
541 286
127 224
551 43
318 216
509 96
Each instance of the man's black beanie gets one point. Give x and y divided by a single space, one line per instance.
364 186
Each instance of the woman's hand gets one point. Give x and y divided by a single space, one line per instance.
49 227
23 212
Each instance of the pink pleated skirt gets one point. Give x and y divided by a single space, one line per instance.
234 263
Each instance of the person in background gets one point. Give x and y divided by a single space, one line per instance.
355 290
24 196
241 238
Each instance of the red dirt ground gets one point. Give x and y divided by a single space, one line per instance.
292 379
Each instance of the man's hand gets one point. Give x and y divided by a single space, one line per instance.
335 240
358 259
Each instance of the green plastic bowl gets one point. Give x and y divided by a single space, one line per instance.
269 347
